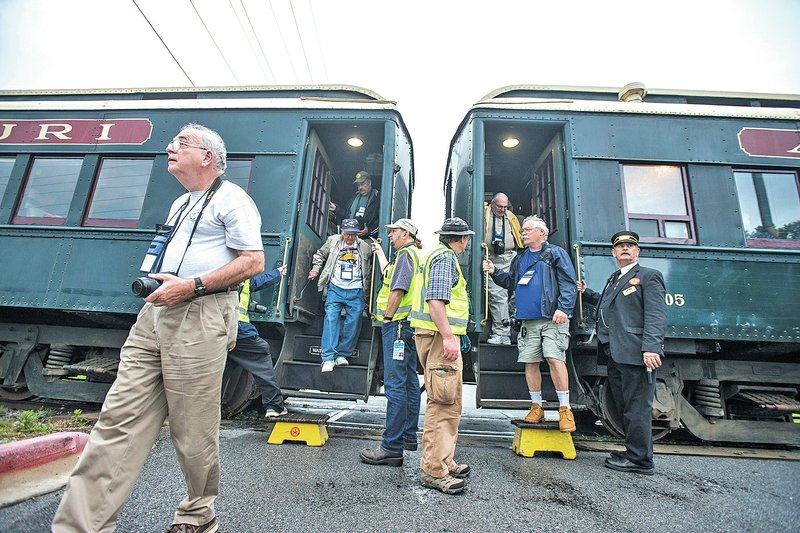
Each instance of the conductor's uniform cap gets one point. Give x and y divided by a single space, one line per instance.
625 236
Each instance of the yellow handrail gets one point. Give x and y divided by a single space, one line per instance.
372 282
485 286
280 287
578 272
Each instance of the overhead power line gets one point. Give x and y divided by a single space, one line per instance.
260 45
319 42
302 45
162 42
215 43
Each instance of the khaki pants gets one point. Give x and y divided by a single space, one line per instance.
171 364
443 384
498 296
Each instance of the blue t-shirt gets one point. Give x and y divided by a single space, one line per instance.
529 296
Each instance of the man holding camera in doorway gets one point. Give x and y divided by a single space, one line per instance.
543 278
503 237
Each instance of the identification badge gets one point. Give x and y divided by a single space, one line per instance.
360 212
629 290
347 271
147 264
526 278
398 350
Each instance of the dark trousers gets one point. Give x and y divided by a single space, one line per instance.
633 396
252 354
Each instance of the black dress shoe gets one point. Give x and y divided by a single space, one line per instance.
622 464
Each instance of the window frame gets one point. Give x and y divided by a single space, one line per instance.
319 196
776 244
252 161
658 218
95 222
23 220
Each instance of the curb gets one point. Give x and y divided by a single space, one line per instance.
28 453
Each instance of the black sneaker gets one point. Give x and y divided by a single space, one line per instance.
379 456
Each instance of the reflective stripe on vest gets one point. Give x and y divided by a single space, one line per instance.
404 308
458 308
244 302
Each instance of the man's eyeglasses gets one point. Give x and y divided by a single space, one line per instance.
498 206
526 230
175 145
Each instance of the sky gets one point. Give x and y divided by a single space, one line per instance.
435 58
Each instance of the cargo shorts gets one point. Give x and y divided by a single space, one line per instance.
542 338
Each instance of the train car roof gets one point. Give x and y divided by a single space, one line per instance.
653 101
274 96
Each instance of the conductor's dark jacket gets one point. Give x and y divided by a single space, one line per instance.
635 313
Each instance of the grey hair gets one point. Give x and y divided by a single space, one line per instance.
538 223
210 139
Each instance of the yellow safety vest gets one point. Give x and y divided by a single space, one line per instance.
458 308
244 302
404 308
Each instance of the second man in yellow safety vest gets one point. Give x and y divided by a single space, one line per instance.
440 313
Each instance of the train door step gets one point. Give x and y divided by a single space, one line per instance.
97 369
542 437
297 427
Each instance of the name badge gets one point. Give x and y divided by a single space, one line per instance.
347 271
361 211
398 350
526 278
629 290
147 264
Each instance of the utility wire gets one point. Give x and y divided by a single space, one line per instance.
247 36
285 48
215 43
260 45
162 42
319 42
302 46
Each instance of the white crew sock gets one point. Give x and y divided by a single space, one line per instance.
563 398
536 397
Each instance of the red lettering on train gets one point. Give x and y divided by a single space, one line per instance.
768 142
76 131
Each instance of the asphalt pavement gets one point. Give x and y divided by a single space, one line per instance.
293 487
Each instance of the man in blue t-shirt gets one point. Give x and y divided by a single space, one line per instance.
544 280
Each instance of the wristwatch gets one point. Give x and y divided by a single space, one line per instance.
199 288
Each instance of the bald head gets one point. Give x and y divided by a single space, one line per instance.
499 204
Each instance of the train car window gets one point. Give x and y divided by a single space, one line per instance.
48 191
544 193
6 164
239 171
770 206
118 193
318 198
657 203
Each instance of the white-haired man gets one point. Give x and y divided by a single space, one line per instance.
544 280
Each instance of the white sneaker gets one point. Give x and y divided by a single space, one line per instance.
341 361
495 339
327 366
505 339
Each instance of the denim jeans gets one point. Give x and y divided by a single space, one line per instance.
253 354
401 387
352 301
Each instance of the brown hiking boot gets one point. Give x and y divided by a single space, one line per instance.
535 415
447 484
208 527
566 420
460 471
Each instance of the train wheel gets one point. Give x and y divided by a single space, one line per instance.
613 422
15 393
238 388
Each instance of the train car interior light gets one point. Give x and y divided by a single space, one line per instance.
510 142
355 142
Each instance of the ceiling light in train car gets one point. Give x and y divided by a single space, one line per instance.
511 142
355 142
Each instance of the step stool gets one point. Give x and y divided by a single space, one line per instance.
310 429
542 437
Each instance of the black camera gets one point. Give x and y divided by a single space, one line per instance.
512 321
255 307
144 286
499 246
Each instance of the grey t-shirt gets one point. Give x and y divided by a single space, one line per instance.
403 272
230 222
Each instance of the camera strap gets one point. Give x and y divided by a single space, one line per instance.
208 195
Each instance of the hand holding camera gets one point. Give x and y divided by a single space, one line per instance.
171 290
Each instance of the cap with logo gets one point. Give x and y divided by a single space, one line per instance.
361 177
404 224
455 226
350 225
625 236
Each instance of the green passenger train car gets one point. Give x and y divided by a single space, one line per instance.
710 183
83 181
